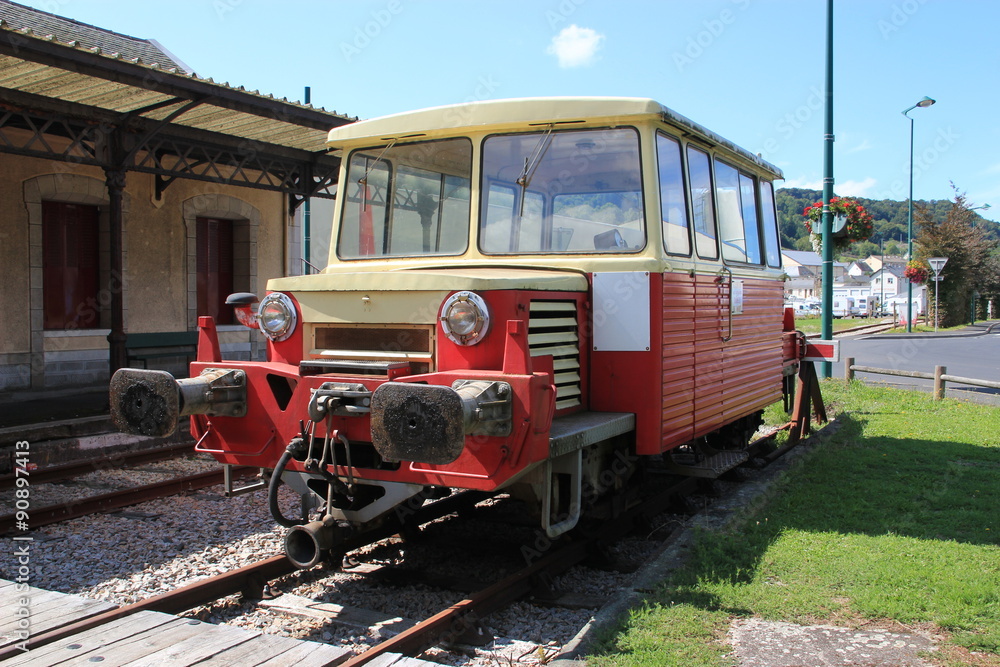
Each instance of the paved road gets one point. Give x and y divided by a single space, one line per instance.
972 354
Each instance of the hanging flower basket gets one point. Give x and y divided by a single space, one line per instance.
859 223
917 272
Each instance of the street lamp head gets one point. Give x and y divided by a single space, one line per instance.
924 103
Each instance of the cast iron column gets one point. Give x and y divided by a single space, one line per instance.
115 181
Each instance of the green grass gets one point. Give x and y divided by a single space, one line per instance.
814 324
925 328
895 517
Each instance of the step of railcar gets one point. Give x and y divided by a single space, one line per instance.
710 467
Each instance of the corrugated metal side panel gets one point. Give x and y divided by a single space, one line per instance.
752 358
707 382
710 310
678 354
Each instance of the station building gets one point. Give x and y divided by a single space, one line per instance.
136 195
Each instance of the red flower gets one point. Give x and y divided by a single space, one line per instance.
859 221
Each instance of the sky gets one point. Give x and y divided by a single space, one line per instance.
752 71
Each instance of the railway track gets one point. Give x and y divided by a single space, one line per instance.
863 328
59 473
451 624
65 510
249 581
115 500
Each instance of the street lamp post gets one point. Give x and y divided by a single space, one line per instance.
937 263
926 102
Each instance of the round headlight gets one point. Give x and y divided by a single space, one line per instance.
276 316
465 318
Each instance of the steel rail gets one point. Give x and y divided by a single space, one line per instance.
858 329
248 580
72 509
450 623
58 473
200 592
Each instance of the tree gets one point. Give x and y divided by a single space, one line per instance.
972 265
864 248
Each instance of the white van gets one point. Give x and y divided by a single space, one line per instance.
843 306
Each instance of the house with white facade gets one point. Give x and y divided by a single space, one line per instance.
804 270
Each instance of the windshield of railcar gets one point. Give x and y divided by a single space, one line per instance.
407 200
572 191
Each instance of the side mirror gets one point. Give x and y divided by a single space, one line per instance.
245 306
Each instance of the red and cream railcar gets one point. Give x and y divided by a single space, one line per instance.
521 294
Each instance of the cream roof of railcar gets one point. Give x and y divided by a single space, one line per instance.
524 114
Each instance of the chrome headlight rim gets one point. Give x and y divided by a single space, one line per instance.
277 329
465 333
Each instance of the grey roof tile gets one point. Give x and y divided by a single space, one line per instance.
66 30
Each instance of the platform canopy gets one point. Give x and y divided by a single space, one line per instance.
84 95
77 93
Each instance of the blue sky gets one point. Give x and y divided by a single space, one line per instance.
751 70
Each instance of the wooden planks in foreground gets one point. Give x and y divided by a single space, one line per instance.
144 639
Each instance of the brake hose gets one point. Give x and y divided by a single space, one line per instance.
272 487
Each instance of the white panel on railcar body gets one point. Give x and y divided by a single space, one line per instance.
737 288
621 311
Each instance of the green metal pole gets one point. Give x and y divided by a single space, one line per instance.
909 239
306 222
923 104
827 324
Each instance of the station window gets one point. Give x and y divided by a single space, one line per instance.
702 208
215 268
673 206
70 264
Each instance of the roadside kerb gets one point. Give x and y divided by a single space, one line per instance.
991 328
940 376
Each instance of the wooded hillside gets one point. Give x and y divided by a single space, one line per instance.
889 215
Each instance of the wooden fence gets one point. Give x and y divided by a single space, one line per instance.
940 376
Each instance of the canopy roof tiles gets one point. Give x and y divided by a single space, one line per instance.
58 59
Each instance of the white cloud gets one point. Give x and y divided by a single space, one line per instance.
575 46
854 188
863 146
803 183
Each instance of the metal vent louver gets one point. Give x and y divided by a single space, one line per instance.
553 329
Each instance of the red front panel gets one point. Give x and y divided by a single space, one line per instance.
277 398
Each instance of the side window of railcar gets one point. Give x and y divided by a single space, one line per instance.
739 229
673 207
576 191
727 193
751 226
407 201
769 221
702 208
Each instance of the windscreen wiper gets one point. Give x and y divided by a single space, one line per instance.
531 163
